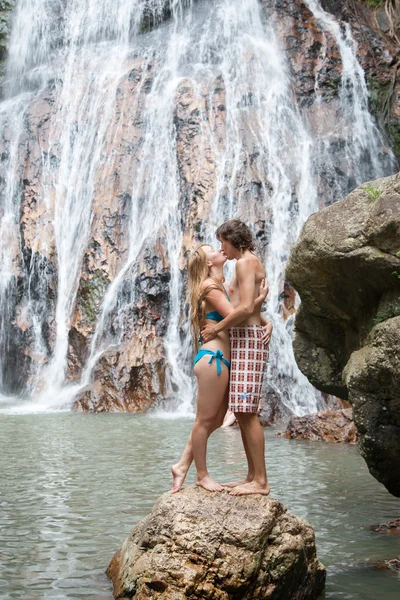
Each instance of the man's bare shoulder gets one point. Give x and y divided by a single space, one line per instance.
249 261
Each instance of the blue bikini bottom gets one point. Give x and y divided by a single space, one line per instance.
218 355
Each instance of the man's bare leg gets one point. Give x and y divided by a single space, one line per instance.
254 436
250 466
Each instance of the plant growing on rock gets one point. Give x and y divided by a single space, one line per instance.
396 272
392 10
372 192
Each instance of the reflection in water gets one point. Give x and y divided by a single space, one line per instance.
73 485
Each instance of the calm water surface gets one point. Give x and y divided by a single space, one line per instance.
73 485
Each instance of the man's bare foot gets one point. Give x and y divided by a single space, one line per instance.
178 477
251 488
209 484
232 484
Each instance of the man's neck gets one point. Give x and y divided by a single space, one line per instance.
240 253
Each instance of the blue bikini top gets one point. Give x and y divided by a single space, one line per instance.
214 315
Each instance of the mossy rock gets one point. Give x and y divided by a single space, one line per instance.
6 8
91 293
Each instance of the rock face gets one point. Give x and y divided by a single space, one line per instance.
327 425
6 7
314 57
200 545
346 267
136 374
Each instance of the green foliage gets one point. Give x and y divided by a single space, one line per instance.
381 99
372 192
379 319
91 293
395 273
394 134
375 3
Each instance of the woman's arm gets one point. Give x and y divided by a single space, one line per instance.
219 302
267 327
264 289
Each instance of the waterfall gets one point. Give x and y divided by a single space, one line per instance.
184 113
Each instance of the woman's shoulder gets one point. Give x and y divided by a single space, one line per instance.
208 283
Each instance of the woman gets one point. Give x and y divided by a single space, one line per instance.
209 301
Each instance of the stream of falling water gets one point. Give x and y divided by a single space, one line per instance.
73 55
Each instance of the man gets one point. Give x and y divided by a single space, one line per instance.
249 353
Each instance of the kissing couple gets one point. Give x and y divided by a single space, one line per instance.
231 338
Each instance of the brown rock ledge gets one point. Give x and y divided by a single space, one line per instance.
327 425
201 545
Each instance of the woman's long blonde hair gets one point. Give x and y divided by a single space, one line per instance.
197 273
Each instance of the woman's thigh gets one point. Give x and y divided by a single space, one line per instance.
212 387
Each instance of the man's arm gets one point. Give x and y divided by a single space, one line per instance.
246 281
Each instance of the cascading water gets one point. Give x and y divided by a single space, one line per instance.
251 154
363 155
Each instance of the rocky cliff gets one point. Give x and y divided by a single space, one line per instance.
346 268
6 7
135 370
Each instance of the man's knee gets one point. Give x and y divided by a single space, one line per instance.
246 418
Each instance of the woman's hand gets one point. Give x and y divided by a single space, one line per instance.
264 289
267 332
208 332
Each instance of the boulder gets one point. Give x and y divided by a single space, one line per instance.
346 268
327 425
392 527
392 564
201 545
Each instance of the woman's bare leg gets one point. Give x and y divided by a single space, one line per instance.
210 398
181 468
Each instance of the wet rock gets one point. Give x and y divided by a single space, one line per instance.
328 426
199 108
392 564
200 545
6 7
316 65
345 267
392 527
272 409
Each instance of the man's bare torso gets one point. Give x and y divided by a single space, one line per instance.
255 264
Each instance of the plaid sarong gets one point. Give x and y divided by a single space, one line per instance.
249 356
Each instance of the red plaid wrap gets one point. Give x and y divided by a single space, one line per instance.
249 357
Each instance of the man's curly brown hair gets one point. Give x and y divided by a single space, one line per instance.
237 233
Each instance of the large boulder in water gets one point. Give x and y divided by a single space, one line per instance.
346 268
333 426
196 544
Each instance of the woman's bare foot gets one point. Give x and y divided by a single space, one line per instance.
178 477
251 488
209 484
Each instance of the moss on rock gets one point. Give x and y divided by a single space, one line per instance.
91 293
6 8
